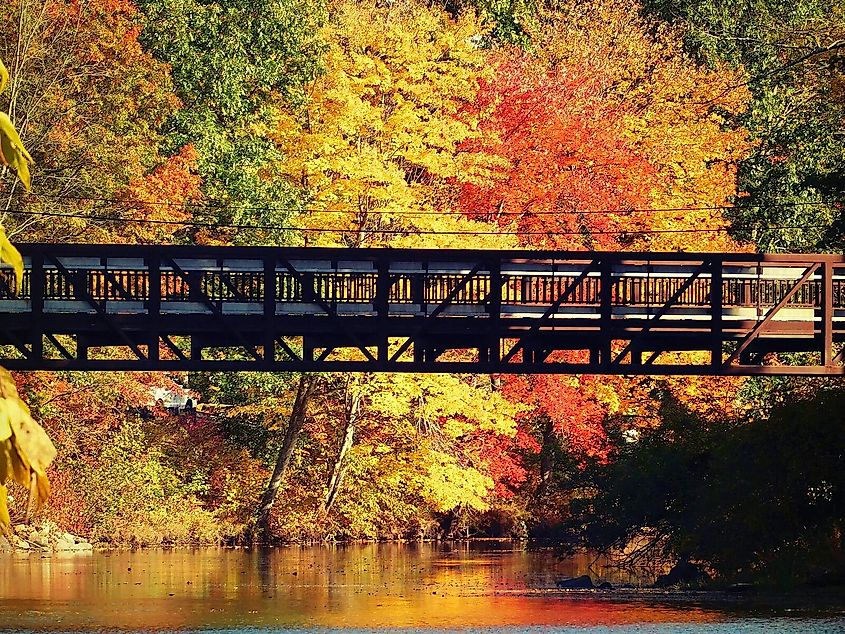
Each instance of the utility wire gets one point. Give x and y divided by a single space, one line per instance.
206 207
344 230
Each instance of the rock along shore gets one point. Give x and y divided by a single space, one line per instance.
44 538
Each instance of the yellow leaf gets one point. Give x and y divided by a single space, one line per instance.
42 487
13 152
4 76
5 427
14 466
10 255
5 520
32 443
26 451
5 460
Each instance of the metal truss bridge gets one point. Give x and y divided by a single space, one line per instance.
132 307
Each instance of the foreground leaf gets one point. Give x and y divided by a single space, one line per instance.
13 152
5 520
25 452
10 255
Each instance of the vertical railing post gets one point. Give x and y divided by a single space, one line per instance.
494 310
717 301
36 299
307 290
418 297
195 285
827 314
382 306
418 290
154 306
269 304
606 312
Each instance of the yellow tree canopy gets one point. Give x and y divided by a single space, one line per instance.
419 435
378 141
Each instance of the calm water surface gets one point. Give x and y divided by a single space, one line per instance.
481 587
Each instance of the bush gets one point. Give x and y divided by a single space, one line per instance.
756 500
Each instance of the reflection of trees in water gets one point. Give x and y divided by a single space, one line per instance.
372 585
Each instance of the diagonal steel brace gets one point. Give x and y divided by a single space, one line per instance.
328 310
224 278
215 311
439 309
58 345
287 349
760 327
567 293
660 312
113 281
82 293
173 347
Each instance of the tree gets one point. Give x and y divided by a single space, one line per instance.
572 408
378 139
636 123
350 414
375 455
511 21
299 411
561 150
606 112
429 443
791 185
753 499
232 64
128 471
88 101
163 195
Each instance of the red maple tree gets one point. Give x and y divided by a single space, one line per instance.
561 151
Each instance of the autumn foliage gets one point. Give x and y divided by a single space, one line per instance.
161 197
566 171
89 102
362 124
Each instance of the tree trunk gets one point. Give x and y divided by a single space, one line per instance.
547 458
353 407
304 390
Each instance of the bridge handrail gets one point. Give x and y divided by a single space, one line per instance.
121 273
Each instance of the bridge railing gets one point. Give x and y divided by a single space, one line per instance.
405 309
649 284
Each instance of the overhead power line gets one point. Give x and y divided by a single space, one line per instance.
346 230
310 210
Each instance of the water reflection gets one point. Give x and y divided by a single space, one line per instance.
375 585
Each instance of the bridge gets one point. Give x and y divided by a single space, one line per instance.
135 307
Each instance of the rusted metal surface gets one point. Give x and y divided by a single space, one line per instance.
119 307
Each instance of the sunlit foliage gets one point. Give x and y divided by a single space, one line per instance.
88 101
495 124
791 185
378 139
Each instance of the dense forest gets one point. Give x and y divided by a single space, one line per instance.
697 125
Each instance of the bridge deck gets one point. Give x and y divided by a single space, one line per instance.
108 307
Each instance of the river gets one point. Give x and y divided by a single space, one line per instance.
479 586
